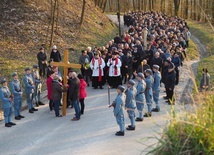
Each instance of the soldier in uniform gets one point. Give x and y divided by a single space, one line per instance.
140 96
148 93
118 109
130 103
156 87
38 85
29 89
17 93
6 99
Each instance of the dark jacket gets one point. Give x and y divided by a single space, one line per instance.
74 86
56 56
57 90
41 57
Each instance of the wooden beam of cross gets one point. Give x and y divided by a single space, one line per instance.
65 64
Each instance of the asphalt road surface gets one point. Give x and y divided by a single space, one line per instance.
42 133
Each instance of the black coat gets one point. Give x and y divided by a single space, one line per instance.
41 56
74 86
56 56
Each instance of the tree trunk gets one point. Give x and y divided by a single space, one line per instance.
212 4
104 7
194 17
83 11
176 7
133 2
57 16
186 9
150 5
53 23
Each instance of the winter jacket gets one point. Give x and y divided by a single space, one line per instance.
82 93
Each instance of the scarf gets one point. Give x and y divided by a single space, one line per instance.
100 70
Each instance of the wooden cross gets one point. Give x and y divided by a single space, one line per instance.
65 66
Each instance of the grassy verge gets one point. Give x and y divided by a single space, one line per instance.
192 52
205 34
191 133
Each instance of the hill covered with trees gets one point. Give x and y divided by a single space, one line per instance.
27 24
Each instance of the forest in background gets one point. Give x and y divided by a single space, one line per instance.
199 10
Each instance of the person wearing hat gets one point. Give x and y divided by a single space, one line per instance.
6 99
156 87
170 82
17 93
140 96
29 89
42 62
97 64
38 85
148 93
118 104
55 54
130 103
114 65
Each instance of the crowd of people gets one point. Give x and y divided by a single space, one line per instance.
150 52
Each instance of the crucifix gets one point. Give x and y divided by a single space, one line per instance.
65 66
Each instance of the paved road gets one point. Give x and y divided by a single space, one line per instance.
43 133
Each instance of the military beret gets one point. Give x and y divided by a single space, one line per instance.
35 66
140 75
148 71
14 74
27 69
131 82
121 88
155 66
3 80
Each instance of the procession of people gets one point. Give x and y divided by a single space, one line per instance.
147 56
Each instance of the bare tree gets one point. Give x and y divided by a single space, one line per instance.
83 11
176 7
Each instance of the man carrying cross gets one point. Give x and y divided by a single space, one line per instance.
65 66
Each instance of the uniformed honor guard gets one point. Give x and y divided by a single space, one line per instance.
97 64
6 99
38 85
29 89
130 103
17 93
156 87
148 93
118 109
140 96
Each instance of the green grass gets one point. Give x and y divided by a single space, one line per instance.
191 133
192 52
205 34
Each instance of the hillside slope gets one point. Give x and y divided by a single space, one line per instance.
24 27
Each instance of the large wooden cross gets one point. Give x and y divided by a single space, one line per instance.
65 66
